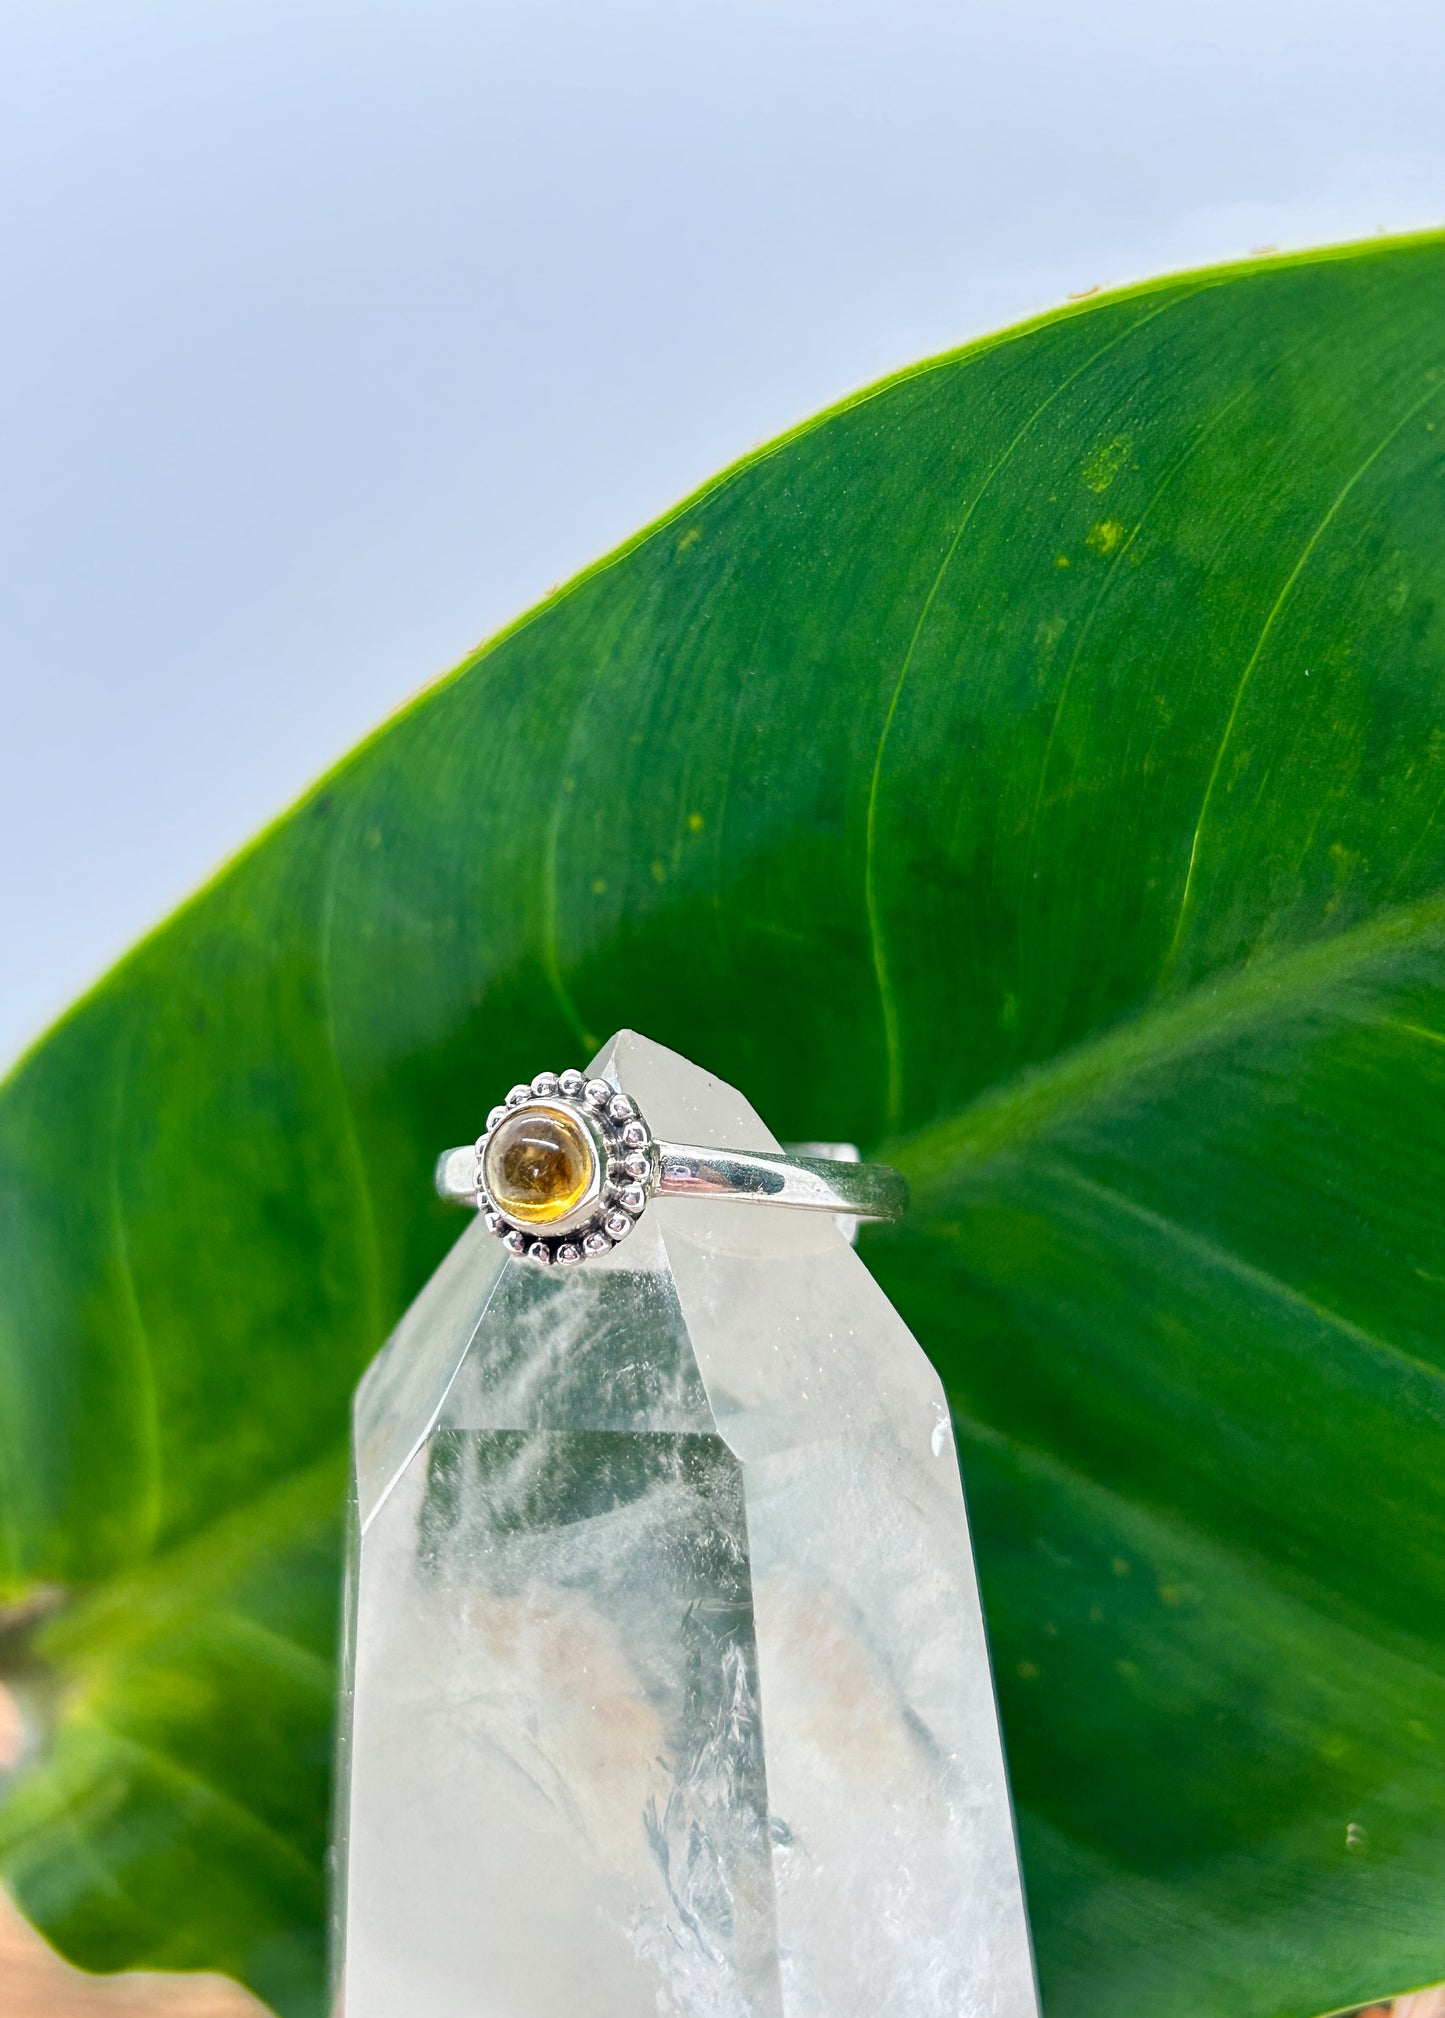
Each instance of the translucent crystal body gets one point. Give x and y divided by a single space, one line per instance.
667 1690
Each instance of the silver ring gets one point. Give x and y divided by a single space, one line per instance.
568 1165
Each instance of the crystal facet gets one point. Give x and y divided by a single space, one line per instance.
666 1682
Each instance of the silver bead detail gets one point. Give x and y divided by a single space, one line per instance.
545 1085
497 1114
518 1094
568 1252
621 1108
540 1251
571 1082
638 1165
597 1243
495 1222
598 1092
618 1225
631 1198
514 1242
635 1135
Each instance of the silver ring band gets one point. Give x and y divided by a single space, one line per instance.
754 1176
568 1165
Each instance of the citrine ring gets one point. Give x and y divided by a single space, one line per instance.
568 1165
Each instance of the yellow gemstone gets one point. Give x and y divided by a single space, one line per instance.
538 1165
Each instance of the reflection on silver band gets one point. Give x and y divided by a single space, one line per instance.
774 1177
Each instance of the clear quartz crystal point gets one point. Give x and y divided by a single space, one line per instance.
666 1685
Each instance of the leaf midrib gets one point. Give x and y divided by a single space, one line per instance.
1013 1111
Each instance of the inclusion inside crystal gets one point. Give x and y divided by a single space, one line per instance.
539 1165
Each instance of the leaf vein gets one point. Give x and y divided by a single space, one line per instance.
143 1348
876 940
1306 553
1015 1110
369 1241
1206 1248
186 1776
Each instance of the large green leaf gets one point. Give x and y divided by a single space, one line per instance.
1035 766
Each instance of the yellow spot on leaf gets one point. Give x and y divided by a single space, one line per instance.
1062 561
1028 1672
1105 536
689 539
659 872
1106 462
694 823
1119 1566
599 886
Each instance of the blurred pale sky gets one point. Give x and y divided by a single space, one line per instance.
335 332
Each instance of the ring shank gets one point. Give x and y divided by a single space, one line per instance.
750 1176
456 1175
771 1177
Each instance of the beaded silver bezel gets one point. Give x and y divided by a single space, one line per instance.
626 1175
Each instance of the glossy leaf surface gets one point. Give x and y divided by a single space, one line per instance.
1034 768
